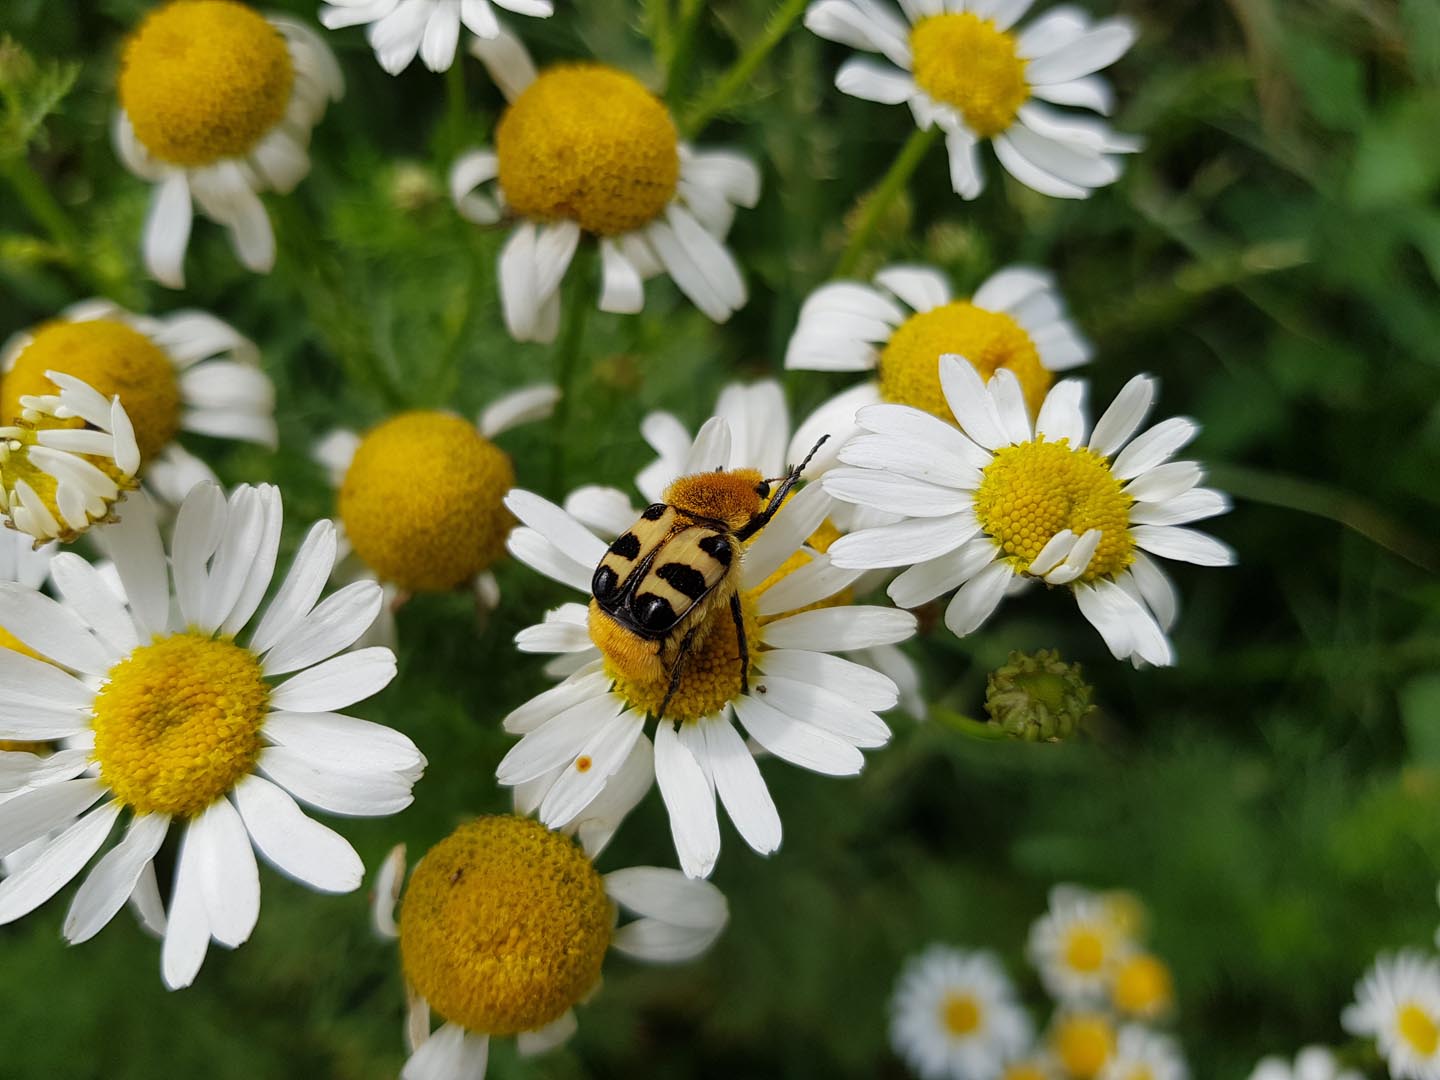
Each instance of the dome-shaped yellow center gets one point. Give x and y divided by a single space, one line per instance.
177 723
504 926
1083 1043
1143 987
1032 491
990 340
960 1014
963 61
204 80
422 501
590 143
112 357
1418 1029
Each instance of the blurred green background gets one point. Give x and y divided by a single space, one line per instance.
1273 255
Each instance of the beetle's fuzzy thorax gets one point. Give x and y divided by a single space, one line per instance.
733 496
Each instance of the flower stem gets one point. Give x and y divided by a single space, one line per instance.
884 194
455 106
965 725
569 344
657 26
723 90
682 44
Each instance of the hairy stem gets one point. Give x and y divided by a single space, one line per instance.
723 91
891 184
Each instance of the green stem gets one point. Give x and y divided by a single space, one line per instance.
723 90
35 195
568 347
455 105
682 45
876 203
657 24
965 725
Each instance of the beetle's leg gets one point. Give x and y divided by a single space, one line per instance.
675 671
740 638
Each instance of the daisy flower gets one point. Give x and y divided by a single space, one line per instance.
1397 1004
1142 987
440 535
187 371
57 479
168 720
1141 1054
897 328
217 103
401 28
1312 1063
801 702
584 148
1077 945
1083 1042
954 1016
1002 502
504 927
965 67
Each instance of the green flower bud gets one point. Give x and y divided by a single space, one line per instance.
1037 696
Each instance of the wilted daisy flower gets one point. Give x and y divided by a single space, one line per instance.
216 105
1082 1042
503 929
1077 945
1312 1063
1141 1054
1002 501
187 371
56 480
447 532
962 66
584 148
167 716
401 28
797 699
1397 1004
899 327
954 1016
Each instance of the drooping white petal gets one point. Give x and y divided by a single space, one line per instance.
689 801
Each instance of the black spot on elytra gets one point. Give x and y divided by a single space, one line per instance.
718 548
685 580
654 612
605 583
654 512
627 547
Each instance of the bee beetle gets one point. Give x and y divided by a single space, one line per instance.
657 588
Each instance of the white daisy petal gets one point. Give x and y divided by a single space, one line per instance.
799 743
114 878
1183 545
230 879
348 794
740 786
452 1053
1154 447
187 931
55 867
1124 416
294 843
690 802
337 682
978 598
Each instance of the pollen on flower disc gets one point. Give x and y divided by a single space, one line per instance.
964 61
422 501
504 926
204 80
589 143
115 359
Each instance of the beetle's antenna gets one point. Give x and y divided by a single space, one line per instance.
791 478
800 469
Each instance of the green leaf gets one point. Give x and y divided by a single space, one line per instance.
1398 159
29 92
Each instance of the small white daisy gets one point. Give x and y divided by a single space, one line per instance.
1004 501
1397 1004
503 929
186 371
217 103
962 66
1312 1063
1142 1054
401 28
586 149
163 714
1077 945
954 1016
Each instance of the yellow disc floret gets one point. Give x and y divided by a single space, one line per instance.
910 365
1085 950
589 143
1418 1029
115 359
1026 1070
965 62
1032 491
504 926
1083 1043
177 723
204 80
422 501
1143 987
961 1014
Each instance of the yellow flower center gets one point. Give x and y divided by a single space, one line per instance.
1025 1070
965 62
960 1014
16 441
1143 987
990 340
117 360
1032 491
204 80
422 501
1083 1042
504 926
1085 950
178 723
1418 1028
590 143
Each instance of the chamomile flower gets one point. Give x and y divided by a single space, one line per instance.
1082 1042
446 532
966 68
57 480
804 704
1003 501
167 719
954 1016
187 371
1143 987
1141 1054
1077 945
585 149
1312 1063
401 28
1397 1004
217 103
504 927
897 328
